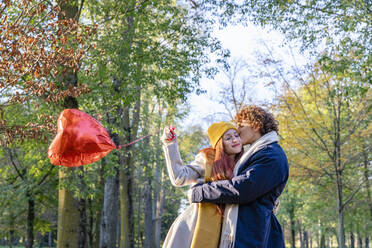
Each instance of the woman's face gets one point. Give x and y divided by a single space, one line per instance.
231 142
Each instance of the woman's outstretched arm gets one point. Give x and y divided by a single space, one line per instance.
180 174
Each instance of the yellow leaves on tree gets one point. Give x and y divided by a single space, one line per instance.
317 117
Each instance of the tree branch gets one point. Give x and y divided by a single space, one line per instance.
14 164
351 196
46 174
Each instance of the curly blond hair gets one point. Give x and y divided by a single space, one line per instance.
257 117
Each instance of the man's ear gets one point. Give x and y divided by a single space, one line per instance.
257 129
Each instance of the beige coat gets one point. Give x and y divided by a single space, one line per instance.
181 232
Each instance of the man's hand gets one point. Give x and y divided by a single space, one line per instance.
192 189
276 206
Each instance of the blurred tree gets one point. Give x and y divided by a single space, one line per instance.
322 119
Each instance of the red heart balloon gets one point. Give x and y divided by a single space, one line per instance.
80 140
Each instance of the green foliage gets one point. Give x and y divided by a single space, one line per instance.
154 53
191 141
338 32
326 112
25 172
165 49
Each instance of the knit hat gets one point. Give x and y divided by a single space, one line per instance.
216 130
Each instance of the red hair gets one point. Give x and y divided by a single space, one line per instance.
223 167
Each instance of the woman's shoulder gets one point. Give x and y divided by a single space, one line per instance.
207 154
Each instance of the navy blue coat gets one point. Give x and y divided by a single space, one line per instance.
259 182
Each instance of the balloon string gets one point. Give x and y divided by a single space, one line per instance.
136 140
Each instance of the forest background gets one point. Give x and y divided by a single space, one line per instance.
134 65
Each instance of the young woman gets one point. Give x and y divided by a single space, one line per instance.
200 224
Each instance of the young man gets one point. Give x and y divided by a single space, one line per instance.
259 178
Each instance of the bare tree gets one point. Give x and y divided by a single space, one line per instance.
238 89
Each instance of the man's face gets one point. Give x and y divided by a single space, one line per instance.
248 134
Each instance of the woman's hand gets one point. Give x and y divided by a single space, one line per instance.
276 206
168 135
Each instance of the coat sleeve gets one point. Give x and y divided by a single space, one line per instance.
179 174
260 178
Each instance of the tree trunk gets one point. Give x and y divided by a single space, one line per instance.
126 175
366 176
68 206
91 218
109 216
97 213
130 132
50 239
322 240
11 238
293 226
119 226
97 229
339 183
159 213
126 209
139 197
83 223
301 234
68 234
109 219
149 223
352 240
306 239
317 235
68 217
366 245
341 231
149 238
360 241
159 195
30 220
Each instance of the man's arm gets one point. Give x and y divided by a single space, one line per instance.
261 177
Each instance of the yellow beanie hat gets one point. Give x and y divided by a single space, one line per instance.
216 130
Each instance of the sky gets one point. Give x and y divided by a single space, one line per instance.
243 42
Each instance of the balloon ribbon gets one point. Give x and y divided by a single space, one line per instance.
136 140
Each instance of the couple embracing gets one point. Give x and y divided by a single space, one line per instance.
234 191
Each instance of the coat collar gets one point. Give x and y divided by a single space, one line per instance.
258 145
